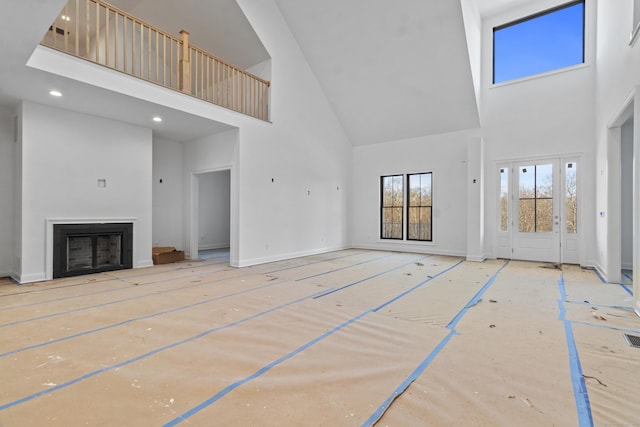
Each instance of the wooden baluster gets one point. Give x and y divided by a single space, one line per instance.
88 30
157 56
77 26
65 29
185 65
124 43
141 50
97 33
171 63
116 39
107 57
164 59
133 47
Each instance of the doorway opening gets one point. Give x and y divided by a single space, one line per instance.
213 222
626 199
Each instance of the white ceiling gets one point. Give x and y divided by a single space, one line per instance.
391 70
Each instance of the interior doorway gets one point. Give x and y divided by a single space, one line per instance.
622 197
626 200
213 222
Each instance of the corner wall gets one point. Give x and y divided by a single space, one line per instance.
63 155
618 80
544 116
7 147
168 196
443 155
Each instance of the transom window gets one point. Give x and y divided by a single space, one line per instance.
547 41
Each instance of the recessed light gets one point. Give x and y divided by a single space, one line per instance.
55 93
157 119
66 18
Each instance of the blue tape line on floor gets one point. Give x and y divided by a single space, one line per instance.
150 353
213 399
371 277
375 417
580 392
135 319
626 288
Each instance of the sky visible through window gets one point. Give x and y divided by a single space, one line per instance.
544 43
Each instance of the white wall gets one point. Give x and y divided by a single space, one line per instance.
214 210
627 195
443 155
618 77
168 197
210 154
544 116
63 156
6 192
305 151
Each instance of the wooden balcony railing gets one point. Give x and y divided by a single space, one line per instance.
98 32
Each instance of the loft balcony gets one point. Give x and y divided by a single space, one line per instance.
103 34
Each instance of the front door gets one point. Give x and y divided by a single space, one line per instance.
538 210
535 214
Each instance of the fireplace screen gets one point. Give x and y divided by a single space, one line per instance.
91 248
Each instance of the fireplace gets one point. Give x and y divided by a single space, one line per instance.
91 248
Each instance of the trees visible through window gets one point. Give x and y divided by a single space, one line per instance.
392 206
536 198
571 199
419 207
547 41
504 199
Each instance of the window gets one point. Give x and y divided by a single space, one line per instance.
419 207
392 206
546 41
571 199
536 199
504 199
635 27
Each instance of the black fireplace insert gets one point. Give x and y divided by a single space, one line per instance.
91 248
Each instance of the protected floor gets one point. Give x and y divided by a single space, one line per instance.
349 338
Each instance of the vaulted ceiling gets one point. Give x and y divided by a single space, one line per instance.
391 70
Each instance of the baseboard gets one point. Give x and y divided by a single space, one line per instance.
431 250
214 246
143 263
476 258
281 257
29 278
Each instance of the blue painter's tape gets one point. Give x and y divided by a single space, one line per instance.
150 353
613 328
626 288
375 417
345 267
311 263
135 319
370 277
581 395
595 270
213 399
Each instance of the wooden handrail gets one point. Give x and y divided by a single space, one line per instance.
98 32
